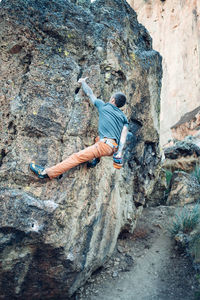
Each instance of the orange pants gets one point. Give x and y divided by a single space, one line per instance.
99 149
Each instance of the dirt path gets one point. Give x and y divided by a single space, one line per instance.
146 266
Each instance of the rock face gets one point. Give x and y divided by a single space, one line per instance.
183 155
184 189
175 29
182 149
188 125
54 234
183 158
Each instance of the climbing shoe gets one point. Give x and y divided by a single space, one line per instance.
93 163
117 162
38 170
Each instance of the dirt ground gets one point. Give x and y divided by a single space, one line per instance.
147 265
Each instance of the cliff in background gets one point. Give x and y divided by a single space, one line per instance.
175 30
54 234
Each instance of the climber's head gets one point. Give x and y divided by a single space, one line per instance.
118 99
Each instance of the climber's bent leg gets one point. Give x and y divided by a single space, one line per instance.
97 150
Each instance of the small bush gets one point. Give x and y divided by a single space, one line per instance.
185 221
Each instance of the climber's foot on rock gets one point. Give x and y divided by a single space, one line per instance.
38 170
93 163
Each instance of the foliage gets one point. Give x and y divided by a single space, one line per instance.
168 176
194 247
196 173
197 293
185 221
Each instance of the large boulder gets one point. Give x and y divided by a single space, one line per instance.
183 155
182 149
54 234
184 189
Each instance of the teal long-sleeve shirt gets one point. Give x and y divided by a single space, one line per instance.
111 120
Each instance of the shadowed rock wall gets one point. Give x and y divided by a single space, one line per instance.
54 234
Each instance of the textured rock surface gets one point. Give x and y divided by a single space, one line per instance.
189 124
175 29
54 234
183 155
184 189
182 149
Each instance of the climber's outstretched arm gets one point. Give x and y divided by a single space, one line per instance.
87 90
122 142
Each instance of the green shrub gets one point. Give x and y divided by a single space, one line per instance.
185 221
197 295
194 247
196 173
168 176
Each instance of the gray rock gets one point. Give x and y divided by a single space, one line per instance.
184 188
182 149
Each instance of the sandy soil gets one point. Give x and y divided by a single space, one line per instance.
146 266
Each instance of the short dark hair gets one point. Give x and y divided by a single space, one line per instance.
120 99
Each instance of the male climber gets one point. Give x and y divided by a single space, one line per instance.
113 129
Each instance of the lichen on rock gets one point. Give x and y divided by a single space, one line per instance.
54 234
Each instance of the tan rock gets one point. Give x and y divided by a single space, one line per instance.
186 164
182 155
175 29
184 189
189 124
